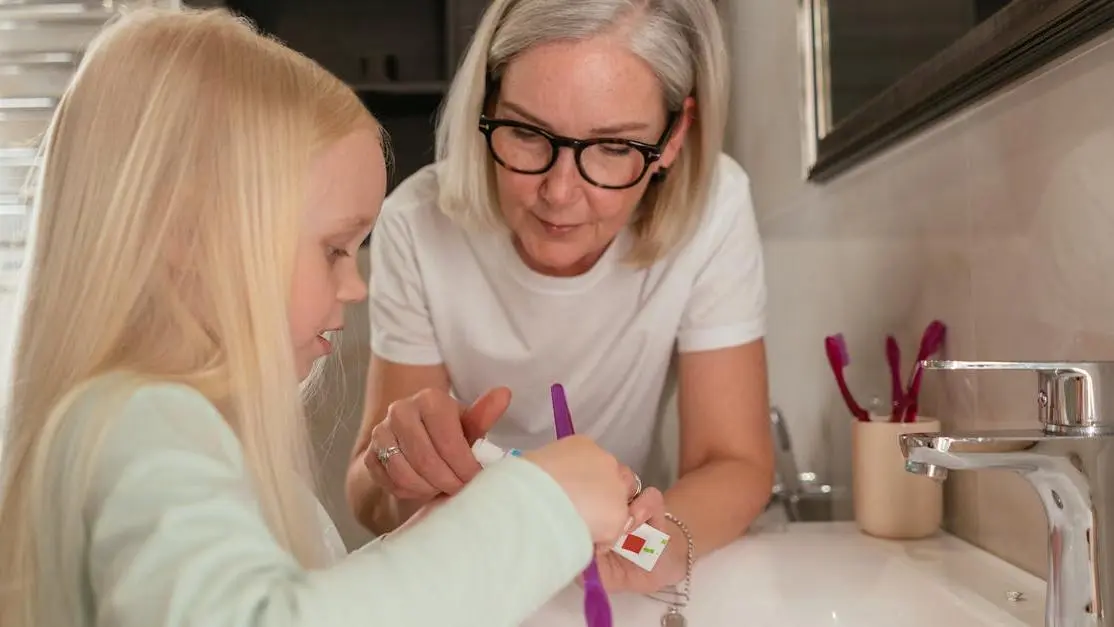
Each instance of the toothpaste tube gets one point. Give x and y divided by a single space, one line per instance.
642 546
487 453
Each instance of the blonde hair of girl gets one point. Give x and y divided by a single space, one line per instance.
163 245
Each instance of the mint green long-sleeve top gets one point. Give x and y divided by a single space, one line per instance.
173 537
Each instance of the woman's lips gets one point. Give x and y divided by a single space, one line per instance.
556 229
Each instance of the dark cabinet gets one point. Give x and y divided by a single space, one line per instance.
399 56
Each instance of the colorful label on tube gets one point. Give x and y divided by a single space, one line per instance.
643 546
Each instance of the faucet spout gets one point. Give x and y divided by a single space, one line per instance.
932 471
970 451
1069 474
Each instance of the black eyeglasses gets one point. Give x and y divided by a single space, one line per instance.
610 163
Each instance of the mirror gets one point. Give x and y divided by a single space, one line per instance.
878 71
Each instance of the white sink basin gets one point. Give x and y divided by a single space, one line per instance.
818 574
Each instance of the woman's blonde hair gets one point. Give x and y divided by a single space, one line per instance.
163 245
682 42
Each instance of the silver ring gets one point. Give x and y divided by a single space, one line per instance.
384 455
637 487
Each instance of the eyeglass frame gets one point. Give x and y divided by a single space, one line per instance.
651 153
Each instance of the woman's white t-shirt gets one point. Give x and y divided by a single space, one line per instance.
443 294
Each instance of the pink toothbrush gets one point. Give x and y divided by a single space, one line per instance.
897 397
838 358
931 341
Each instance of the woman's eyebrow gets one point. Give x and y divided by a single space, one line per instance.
610 129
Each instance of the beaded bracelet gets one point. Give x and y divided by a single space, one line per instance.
678 598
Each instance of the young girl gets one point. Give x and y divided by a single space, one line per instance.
204 195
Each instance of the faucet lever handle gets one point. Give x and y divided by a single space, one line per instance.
1071 396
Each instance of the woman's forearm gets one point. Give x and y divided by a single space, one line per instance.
719 500
726 448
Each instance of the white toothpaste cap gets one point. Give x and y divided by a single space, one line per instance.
487 453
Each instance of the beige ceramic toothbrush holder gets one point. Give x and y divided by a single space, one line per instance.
888 501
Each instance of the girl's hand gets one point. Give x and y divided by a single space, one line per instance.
597 484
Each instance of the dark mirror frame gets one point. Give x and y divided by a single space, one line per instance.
1018 39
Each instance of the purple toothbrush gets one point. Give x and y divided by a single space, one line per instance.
597 608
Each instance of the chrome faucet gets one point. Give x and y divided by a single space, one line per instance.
1069 460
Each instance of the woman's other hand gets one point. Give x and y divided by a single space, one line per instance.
620 574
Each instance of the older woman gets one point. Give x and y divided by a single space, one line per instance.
580 226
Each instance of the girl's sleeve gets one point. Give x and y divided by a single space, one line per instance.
176 539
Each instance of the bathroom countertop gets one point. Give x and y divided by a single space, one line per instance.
828 573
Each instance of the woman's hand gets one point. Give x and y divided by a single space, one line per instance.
423 447
619 574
